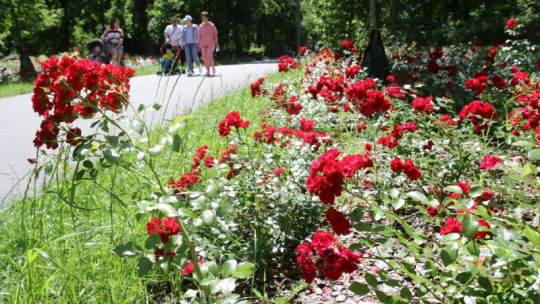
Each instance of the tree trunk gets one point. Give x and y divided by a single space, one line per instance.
374 57
102 15
466 10
259 40
428 14
65 25
298 33
148 48
454 8
351 16
26 68
373 14
394 14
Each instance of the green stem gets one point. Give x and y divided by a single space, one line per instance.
187 240
148 162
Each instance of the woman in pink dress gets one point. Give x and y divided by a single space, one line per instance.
208 40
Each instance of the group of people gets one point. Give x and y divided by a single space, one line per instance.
186 40
190 39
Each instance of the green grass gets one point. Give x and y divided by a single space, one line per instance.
146 70
16 88
226 61
23 87
57 244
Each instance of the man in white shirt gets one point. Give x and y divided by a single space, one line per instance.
173 33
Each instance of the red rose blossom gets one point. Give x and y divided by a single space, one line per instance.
407 167
433 211
452 226
478 108
278 171
489 162
511 24
189 267
159 252
340 225
332 257
231 120
481 234
166 228
423 105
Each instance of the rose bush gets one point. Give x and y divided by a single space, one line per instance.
431 173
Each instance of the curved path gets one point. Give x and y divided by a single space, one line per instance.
177 95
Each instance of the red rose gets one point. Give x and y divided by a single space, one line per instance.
485 197
278 171
429 145
423 105
209 162
340 225
189 267
303 50
166 228
464 187
411 170
347 44
489 162
231 120
511 24
184 182
159 252
432 211
478 108
304 252
446 120
309 272
498 82
482 234
452 226
361 126
73 137
322 239
396 165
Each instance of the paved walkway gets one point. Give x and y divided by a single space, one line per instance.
177 95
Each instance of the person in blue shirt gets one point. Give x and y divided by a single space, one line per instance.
189 42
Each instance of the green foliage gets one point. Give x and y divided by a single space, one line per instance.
330 22
82 265
271 23
257 52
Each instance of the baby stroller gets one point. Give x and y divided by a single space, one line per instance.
103 56
171 69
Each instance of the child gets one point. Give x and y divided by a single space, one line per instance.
97 55
167 59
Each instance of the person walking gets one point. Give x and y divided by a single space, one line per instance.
190 43
173 33
114 37
208 40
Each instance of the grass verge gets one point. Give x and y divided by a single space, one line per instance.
23 87
16 88
57 244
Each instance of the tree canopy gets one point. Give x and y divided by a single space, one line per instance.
53 26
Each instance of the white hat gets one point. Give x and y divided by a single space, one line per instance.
188 17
